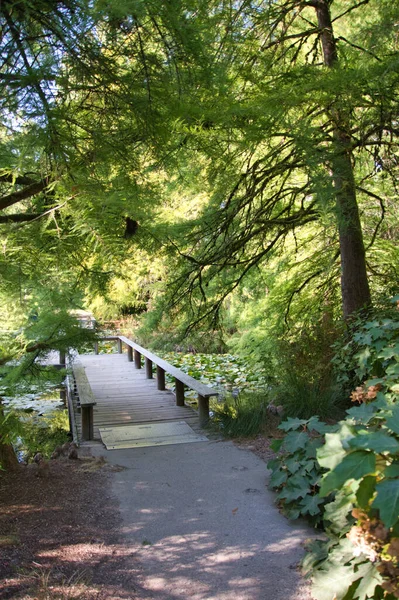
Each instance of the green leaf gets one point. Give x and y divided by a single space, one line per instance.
311 504
295 440
362 414
276 445
366 491
353 466
387 501
369 579
378 441
278 478
391 471
292 464
314 424
331 453
291 424
332 582
338 512
393 421
312 447
273 464
296 487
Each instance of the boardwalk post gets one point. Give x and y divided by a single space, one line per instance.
160 378
62 358
179 393
137 359
130 354
95 347
203 410
148 368
63 395
87 422
120 350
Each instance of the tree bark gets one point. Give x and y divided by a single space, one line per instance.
8 459
354 281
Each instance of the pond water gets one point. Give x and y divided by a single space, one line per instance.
37 401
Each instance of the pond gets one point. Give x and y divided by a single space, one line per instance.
43 419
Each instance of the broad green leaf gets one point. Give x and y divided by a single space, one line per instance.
332 582
296 487
338 512
291 424
366 491
353 466
292 512
312 447
314 424
378 441
278 478
393 421
387 501
273 464
276 445
311 504
294 440
369 579
391 471
362 414
331 454
292 464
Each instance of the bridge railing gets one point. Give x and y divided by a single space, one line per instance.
135 352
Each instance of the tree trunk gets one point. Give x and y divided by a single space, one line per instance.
354 281
8 459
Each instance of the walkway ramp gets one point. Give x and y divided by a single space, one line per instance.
124 396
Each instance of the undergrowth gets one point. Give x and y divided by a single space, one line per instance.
245 415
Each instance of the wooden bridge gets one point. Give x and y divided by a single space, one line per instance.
107 390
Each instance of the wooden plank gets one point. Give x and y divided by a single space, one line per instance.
86 396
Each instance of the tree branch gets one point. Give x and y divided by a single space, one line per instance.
26 192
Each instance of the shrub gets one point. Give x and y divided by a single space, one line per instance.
359 490
296 474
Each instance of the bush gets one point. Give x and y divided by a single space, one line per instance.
296 474
358 495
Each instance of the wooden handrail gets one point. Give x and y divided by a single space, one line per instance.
135 351
86 400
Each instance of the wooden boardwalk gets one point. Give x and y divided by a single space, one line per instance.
124 396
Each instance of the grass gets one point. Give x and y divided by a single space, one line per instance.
303 399
243 416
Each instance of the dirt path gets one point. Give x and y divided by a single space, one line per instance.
60 536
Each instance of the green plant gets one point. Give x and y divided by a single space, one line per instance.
303 398
43 436
296 474
361 458
362 524
243 416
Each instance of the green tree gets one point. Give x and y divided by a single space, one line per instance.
299 127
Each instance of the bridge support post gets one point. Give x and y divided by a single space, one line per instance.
203 410
87 422
148 368
130 354
62 358
95 347
160 378
137 359
120 350
179 393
